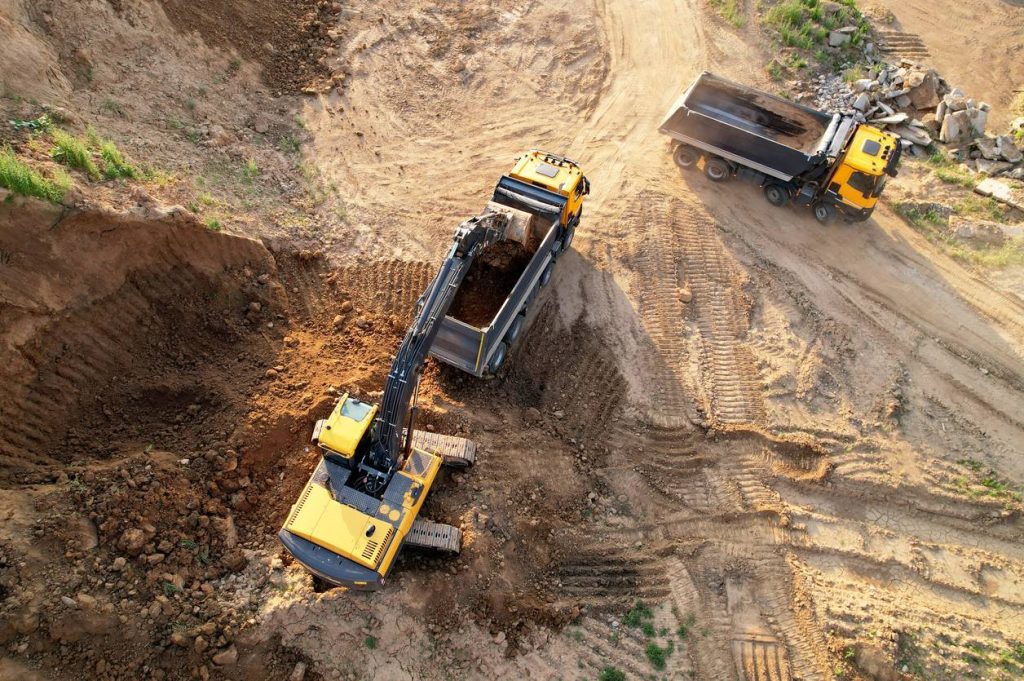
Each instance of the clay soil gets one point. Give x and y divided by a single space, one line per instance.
490 280
731 444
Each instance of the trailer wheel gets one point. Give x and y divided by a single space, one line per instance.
515 328
776 194
716 169
685 157
498 358
824 212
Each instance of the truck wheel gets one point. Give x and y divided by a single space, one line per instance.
498 358
776 194
567 239
716 169
824 212
545 276
685 157
515 329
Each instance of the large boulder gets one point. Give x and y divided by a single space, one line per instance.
978 231
924 88
987 147
1008 150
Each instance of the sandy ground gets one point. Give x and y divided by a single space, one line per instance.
791 442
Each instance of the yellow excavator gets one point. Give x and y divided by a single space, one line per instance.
362 503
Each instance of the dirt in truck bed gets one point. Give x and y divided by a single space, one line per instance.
490 280
760 114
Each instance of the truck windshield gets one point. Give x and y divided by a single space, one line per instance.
879 186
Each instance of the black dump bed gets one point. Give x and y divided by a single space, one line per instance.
762 131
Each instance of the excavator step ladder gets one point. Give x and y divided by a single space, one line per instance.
457 452
426 534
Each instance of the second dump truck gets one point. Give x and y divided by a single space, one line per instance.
830 162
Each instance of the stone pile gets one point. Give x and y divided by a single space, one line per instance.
915 102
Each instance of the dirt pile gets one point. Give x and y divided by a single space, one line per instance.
490 280
288 39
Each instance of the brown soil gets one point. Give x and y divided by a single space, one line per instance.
490 280
287 39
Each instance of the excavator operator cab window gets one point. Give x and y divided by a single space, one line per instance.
354 409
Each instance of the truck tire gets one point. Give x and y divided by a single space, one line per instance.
498 358
567 239
685 157
716 169
545 276
776 194
515 328
824 212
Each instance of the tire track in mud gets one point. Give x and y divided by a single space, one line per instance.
722 314
98 342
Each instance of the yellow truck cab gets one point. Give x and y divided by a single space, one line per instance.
860 175
555 174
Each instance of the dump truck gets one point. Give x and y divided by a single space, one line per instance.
362 502
543 194
832 163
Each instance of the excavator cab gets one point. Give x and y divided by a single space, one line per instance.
342 435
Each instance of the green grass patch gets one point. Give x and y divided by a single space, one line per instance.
730 10
684 629
40 124
371 642
114 165
983 207
74 152
636 617
289 144
948 170
23 180
250 171
213 224
922 216
658 656
804 25
610 673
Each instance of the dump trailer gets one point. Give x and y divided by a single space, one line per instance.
543 196
830 162
361 504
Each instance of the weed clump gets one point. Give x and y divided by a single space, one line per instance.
73 152
23 180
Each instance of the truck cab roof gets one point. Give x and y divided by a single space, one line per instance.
553 172
870 150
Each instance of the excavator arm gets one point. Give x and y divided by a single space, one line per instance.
471 237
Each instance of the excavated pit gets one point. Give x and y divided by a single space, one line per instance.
160 382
